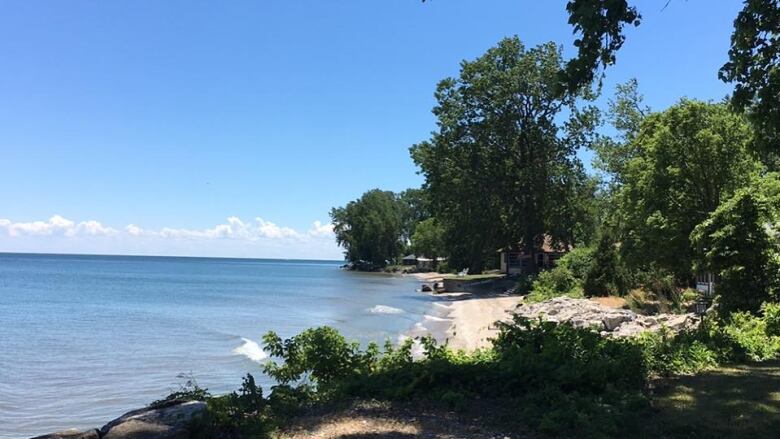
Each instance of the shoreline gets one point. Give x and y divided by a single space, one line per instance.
465 321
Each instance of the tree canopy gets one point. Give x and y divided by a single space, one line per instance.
370 228
689 158
501 168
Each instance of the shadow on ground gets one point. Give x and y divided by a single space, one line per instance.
730 402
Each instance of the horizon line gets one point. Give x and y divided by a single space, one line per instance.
167 256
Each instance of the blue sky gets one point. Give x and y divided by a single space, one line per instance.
174 116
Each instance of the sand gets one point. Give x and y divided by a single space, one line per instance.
465 321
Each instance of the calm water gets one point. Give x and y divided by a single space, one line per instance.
85 338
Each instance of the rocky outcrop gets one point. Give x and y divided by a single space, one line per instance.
169 422
166 422
584 313
72 434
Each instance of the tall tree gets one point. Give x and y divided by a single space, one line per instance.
371 228
738 242
689 158
626 113
501 168
754 67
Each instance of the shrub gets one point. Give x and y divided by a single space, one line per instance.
771 313
750 335
606 275
578 261
524 283
558 281
235 415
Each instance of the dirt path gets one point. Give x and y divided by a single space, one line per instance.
377 420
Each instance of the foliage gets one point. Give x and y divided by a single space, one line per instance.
735 243
189 391
415 208
501 168
599 24
559 281
558 379
690 157
578 261
771 312
605 275
754 60
318 355
428 239
750 334
241 414
371 228
626 113
668 354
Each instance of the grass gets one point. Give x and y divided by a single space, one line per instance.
728 402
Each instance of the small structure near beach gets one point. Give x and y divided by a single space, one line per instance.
516 259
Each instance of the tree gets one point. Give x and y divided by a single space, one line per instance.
501 168
428 239
738 242
605 275
688 159
626 113
599 26
754 67
371 228
415 209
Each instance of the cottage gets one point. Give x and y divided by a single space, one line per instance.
409 260
428 264
515 259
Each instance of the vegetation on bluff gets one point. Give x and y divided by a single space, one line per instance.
553 378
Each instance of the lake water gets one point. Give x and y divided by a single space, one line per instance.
85 338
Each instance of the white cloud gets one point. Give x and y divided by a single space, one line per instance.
134 230
323 230
232 238
56 225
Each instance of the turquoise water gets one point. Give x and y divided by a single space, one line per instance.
85 338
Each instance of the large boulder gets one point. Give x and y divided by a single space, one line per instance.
584 313
71 434
167 422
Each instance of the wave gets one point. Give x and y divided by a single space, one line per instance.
251 350
384 309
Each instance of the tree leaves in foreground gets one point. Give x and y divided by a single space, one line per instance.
501 168
754 67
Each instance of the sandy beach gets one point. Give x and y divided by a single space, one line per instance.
464 320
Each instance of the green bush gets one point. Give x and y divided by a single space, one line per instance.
558 379
771 313
751 337
242 414
606 275
578 261
559 281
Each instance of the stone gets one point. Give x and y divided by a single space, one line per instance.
72 434
612 321
426 288
584 313
168 422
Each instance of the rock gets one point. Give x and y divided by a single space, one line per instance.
426 288
612 321
583 313
72 434
167 422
